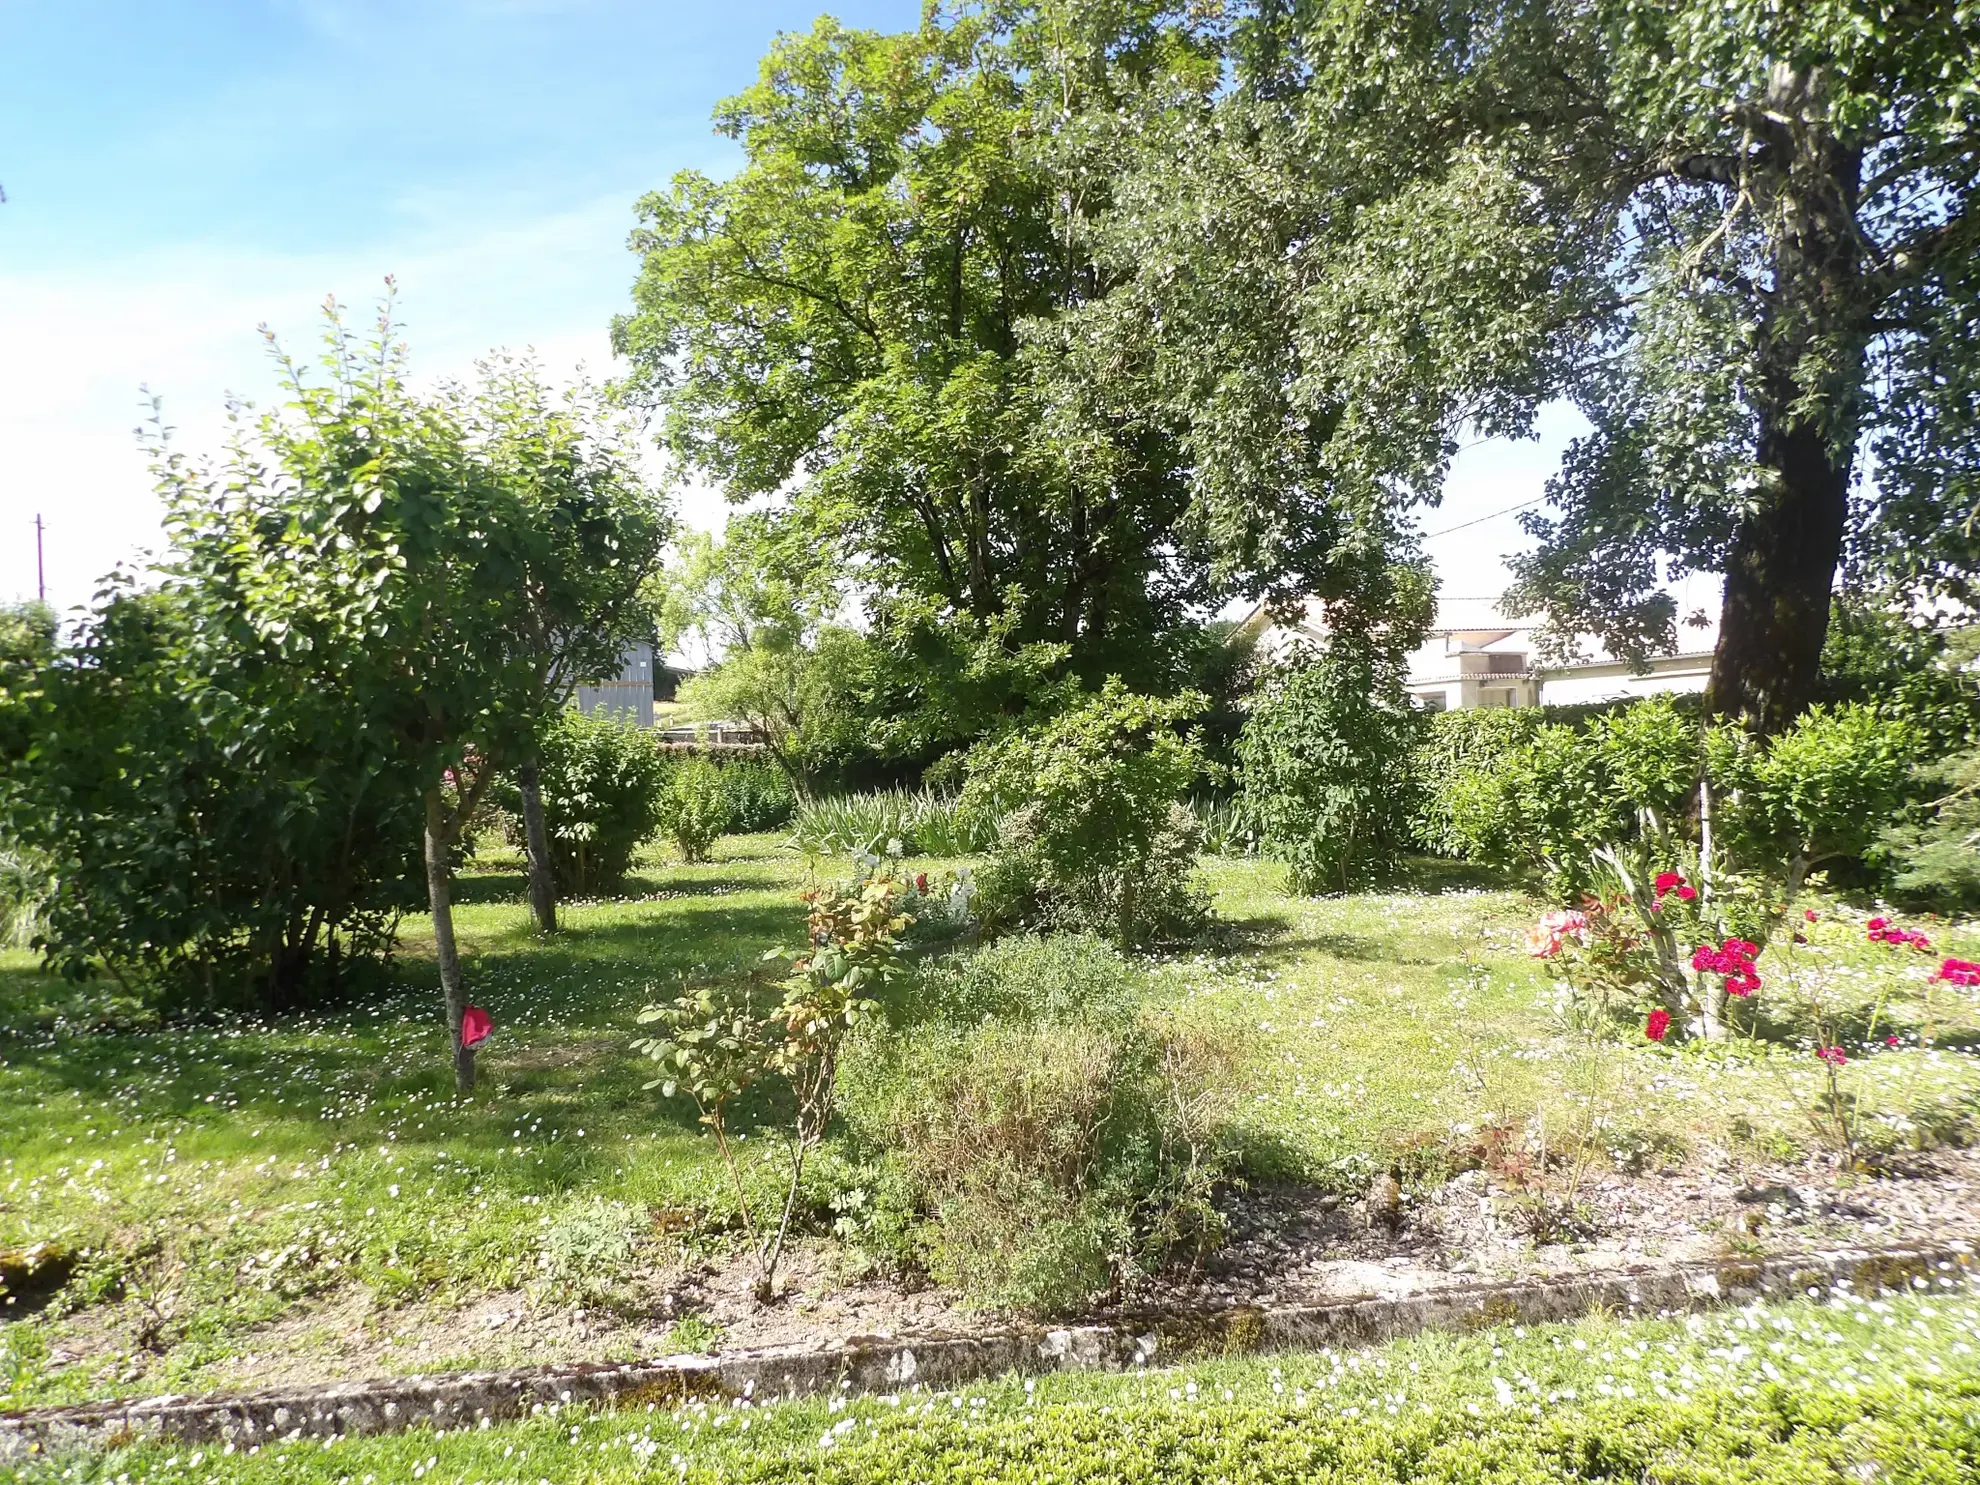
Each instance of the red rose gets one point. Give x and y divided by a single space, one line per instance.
1657 1025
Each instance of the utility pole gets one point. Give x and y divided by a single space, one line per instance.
40 570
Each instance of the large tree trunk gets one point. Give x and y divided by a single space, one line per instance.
1778 579
1807 392
440 896
542 883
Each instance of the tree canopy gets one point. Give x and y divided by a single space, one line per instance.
1740 237
859 324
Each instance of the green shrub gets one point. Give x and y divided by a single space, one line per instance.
586 1252
1455 749
1548 803
1325 759
1092 835
1819 793
602 779
760 795
694 808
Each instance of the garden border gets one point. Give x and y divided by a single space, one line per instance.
875 1364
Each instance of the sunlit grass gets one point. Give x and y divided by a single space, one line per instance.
222 1176
1861 1386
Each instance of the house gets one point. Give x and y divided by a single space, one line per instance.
642 680
1475 656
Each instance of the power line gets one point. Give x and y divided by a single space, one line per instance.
1481 520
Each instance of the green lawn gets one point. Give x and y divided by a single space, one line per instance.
229 1180
1857 1388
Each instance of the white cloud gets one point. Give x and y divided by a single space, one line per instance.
80 342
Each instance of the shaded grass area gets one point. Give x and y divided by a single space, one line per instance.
213 1176
213 1179
1860 1387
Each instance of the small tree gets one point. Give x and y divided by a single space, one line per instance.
483 548
714 1044
603 782
1326 762
1090 812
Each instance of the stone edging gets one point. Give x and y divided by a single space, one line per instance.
475 1399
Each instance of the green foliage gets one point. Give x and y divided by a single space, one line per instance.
1092 832
1739 239
602 782
1459 750
694 807
1056 978
1551 801
1822 790
714 1043
900 239
1936 859
1064 1145
923 821
1324 759
368 600
1818 793
587 1252
1877 655
760 794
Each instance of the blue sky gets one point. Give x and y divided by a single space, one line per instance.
178 173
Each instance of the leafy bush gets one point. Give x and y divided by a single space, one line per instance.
1455 748
760 795
1092 835
694 809
1325 759
602 790
924 821
1063 1144
1550 802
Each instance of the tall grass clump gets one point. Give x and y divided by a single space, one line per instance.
926 823
23 887
1058 1142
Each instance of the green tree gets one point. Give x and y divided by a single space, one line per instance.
1741 237
1327 753
858 320
461 558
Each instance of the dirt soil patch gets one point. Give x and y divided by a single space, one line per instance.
1287 1245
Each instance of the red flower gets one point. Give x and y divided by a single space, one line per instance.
1831 1055
1960 972
1877 924
475 1026
1667 880
1687 894
1657 1025
921 883
1890 1041
1811 915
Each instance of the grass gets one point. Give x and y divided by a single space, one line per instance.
224 1179
1857 1387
